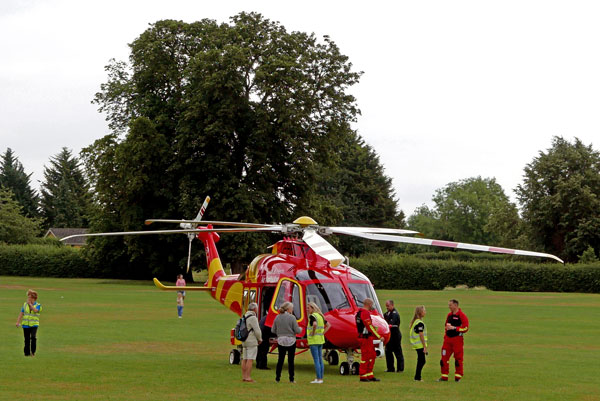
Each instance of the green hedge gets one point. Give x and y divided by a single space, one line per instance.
412 272
42 261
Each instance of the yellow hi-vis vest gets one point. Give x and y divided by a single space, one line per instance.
319 337
415 338
31 319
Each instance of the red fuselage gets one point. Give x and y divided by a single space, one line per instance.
293 272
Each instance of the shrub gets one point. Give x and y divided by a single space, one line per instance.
43 261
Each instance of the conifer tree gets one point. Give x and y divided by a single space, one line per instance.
65 197
14 178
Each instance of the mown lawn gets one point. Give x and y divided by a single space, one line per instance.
117 340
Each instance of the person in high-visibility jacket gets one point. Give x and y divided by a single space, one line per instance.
457 324
315 336
418 339
366 334
29 319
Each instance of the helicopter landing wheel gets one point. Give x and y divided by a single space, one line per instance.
234 357
355 368
344 368
333 357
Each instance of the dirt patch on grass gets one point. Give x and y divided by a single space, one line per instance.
144 347
13 287
22 287
465 287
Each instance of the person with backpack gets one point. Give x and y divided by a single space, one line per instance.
253 335
366 334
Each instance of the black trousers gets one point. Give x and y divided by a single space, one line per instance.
291 352
420 363
394 348
261 356
30 340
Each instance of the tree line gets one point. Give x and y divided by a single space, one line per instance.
259 118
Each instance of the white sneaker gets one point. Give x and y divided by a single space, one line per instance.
314 381
320 381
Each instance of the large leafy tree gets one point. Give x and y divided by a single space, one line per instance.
65 197
15 228
560 199
471 210
243 112
14 178
465 208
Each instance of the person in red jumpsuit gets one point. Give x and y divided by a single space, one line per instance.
366 334
457 324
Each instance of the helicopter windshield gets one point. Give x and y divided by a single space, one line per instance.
360 291
328 296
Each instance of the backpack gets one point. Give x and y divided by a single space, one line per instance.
360 326
241 331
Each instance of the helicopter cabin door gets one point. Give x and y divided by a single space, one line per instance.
287 290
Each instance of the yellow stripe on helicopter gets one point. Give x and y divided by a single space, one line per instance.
181 288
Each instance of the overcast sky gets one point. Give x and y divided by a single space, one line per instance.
451 89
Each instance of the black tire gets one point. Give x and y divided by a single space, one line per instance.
333 358
344 369
234 357
355 368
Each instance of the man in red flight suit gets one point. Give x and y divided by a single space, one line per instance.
457 325
366 334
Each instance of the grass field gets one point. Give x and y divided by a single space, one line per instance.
117 340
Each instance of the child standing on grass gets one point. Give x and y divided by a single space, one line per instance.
180 283
179 304
418 339
29 319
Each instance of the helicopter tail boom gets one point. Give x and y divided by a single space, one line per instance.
163 287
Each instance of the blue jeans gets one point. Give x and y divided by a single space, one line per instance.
179 310
317 353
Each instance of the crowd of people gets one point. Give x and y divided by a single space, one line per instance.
285 327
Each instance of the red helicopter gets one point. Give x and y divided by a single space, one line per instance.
302 267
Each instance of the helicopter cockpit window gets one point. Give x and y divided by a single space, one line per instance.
327 296
360 291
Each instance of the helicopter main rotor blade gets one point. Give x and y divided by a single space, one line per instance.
450 244
191 230
371 230
214 223
322 247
